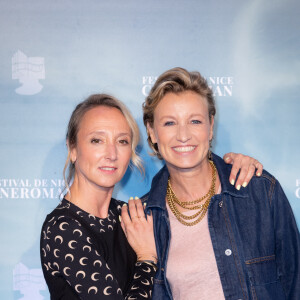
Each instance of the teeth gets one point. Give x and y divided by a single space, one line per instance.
184 149
108 169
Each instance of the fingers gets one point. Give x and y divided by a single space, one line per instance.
247 166
228 158
235 169
259 168
136 211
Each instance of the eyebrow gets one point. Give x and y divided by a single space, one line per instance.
173 117
104 132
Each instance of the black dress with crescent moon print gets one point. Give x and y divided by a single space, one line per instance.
85 257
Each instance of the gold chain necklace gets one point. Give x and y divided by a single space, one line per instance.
172 199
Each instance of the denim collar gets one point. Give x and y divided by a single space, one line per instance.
157 194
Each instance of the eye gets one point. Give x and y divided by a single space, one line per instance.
196 122
95 141
124 142
169 123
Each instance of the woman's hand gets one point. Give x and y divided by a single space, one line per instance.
246 164
139 230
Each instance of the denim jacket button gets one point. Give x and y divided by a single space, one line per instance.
221 203
228 252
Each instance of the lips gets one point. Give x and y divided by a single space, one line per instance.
182 149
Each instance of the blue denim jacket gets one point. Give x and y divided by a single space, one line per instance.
254 235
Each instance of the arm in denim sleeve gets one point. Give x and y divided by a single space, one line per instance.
287 243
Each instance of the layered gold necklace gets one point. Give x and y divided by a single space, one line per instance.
202 207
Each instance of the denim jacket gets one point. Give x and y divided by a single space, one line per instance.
254 236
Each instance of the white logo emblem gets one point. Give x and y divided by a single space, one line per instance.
28 70
29 282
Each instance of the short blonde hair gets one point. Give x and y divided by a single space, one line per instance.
74 123
176 80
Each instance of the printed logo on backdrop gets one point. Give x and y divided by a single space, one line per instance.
31 188
29 282
221 86
297 192
29 70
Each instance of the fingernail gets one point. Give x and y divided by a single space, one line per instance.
258 174
238 187
145 204
120 219
226 158
245 184
136 198
232 181
131 198
125 204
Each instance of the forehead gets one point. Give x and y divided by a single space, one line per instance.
104 118
187 101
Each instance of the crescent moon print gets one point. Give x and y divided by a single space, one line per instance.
119 291
56 264
77 257
54 252
80 272
51 219
92 216
61 226
93 288
94 276
81 261
109 276
58 237
134 287
69 255
77 288
146 282
144 295
88 247
77 230
65 271
148 270
97 262
54 272
70 244
105 291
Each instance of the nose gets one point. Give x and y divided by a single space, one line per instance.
111 152
183 133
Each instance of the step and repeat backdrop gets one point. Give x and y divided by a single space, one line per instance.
54 54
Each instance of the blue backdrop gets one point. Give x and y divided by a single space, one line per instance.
54 54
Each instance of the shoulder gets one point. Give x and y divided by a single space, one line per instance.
116 205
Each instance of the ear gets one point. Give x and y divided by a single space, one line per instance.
151 133
72 153
211 130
